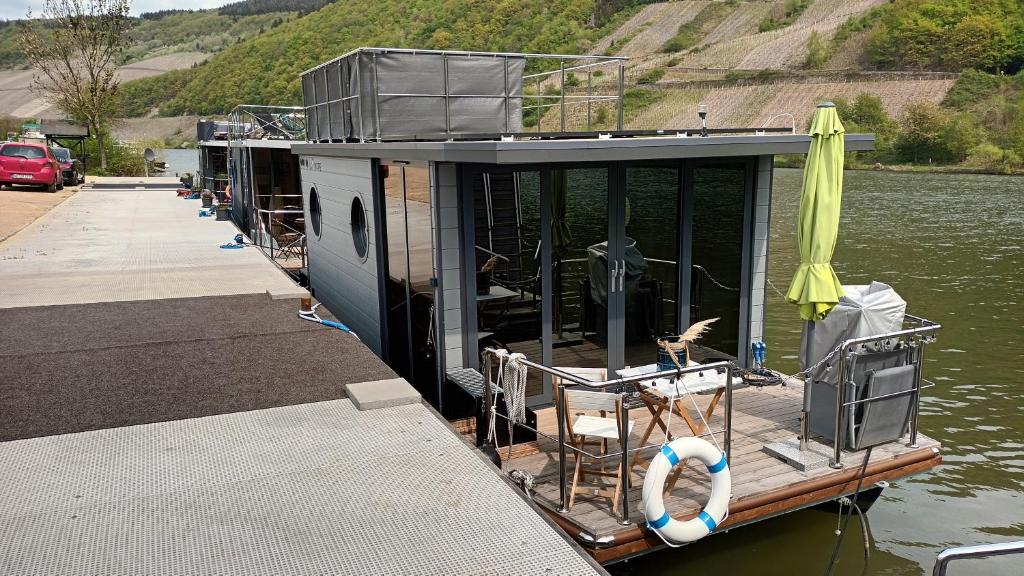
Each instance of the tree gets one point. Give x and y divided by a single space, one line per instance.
75 47
978 42
922 127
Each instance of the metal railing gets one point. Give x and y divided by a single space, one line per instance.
253 122
916 339
490 354
266 240
980 551
588 98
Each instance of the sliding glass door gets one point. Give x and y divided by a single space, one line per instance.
588 265
410 293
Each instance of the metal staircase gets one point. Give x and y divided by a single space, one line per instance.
499 226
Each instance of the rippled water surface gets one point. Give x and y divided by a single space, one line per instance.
953 247
179 160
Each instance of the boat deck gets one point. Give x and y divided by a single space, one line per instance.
762 486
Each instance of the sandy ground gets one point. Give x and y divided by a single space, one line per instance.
147 129
18 100
21 206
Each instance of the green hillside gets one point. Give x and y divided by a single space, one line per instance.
947 35
171 31
266 69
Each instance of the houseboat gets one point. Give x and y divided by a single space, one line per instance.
251 153
461 207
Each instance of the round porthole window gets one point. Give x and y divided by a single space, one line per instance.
314 211
360 239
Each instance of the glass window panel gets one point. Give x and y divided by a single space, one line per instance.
652 242
508 265
579 267
718 207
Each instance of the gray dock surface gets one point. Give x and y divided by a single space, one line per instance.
130 240
162 414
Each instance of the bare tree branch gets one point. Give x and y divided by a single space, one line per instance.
75 46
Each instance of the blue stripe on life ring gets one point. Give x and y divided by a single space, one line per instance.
661 522
673 458
721 465
707 520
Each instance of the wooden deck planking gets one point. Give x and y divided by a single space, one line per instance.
760 416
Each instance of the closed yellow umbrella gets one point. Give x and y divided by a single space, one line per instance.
815 287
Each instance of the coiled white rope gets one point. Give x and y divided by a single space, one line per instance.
512 382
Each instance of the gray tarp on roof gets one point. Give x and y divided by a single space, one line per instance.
402 96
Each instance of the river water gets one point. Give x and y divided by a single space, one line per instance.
179 160
953 247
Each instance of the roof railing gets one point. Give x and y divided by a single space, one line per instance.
256 122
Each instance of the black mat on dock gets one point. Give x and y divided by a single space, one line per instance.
83 367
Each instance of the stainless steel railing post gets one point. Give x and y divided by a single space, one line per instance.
622 72
979 551
841 382
485 410
915 406
590 96
624 465
728 416
560 415
561 100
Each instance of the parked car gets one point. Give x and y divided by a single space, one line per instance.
70 167
29 163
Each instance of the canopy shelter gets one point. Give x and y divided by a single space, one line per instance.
66 134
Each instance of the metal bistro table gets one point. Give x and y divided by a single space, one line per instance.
498 294
657 396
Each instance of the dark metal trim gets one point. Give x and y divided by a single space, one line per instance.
383 263
466 206
746 261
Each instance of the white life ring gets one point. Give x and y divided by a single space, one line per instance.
672 531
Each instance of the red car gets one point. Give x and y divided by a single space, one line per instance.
29 163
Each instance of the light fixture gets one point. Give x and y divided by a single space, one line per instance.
702 111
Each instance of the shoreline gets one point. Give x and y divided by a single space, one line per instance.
912 168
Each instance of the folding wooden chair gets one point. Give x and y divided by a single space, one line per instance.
588 432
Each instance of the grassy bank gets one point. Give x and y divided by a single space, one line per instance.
797 161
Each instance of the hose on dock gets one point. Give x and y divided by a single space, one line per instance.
239 242
311 315
846 520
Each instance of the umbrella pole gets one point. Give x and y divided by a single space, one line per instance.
805 414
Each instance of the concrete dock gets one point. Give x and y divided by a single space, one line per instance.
164 411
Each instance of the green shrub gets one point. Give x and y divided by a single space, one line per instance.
784 16
818 52
970 88
689 34
992 158
651 76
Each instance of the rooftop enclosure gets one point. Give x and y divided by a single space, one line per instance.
251 122
394 94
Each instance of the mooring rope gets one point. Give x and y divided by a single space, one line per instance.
707 274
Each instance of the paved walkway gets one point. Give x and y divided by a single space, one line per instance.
114 244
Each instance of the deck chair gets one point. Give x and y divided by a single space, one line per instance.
587 431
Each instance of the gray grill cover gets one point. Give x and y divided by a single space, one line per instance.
402 96
864 311
597 268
